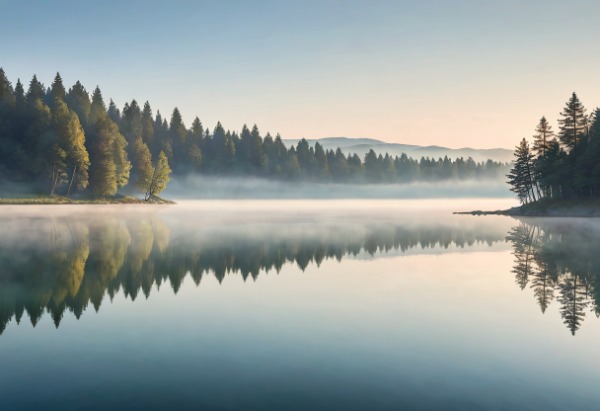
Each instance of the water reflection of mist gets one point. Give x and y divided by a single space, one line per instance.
559 260
67 261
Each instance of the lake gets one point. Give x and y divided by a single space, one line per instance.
297 305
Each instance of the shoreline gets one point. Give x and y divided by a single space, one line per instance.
547 208
59 200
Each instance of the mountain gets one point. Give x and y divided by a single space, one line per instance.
361 146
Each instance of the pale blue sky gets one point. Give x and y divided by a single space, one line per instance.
452 73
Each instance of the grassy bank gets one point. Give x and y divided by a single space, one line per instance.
49 200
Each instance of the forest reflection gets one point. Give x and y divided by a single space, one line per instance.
68 263
559 260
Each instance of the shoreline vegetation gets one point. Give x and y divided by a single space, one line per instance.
547 207
63 200
67 141
559 175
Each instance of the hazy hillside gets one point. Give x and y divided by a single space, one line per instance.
361 146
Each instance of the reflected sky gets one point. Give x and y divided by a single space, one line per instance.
286 306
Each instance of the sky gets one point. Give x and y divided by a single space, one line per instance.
452 73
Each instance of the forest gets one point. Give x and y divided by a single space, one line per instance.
560 166
66 142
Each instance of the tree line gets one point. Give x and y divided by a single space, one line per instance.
68 141
563 166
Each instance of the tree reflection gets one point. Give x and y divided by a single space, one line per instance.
559 258
58 265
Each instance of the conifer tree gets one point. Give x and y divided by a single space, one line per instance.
57 91
521 175
160 134
35 91
7 125
147 125
573 124
322 167
193 142
131 122
78 100
109 167
7 98
178 134
542 137
113 112
223 150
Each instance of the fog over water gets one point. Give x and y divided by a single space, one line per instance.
297 304
202 187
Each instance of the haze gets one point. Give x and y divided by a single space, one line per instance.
477 74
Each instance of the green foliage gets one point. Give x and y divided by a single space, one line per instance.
103 168
566 170
573 123
521 176
542 137
78 100
79 145
141 161
71 139
160 177
57 91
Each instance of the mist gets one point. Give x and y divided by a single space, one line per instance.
203 187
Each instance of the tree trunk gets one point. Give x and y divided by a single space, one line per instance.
72 178
54 180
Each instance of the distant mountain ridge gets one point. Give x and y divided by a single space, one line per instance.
361 146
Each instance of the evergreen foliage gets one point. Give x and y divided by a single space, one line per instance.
563 168
70 142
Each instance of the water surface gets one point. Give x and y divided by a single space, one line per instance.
334 305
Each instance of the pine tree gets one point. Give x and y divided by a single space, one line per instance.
36 90
223 150
178 135
97 108
322 166
573 124
193 142
57 91
78 100
37 138
7 98
131 122
372 167
7 120
542 137
520 176
147 125
110 166
113 112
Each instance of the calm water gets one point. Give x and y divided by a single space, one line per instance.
297 305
